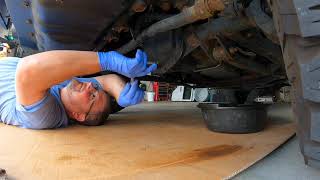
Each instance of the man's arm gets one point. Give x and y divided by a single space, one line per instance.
126 93
37 73
113 84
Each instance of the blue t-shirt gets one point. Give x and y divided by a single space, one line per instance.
47 113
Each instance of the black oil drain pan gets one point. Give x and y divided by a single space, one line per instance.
237 119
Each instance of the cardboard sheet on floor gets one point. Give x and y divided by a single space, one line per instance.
160 141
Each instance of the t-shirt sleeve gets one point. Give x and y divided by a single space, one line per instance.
45 114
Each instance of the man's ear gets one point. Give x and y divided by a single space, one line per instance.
78 116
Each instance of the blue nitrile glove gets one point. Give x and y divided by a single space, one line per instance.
131 94
130 67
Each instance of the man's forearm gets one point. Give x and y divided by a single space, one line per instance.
52 67
113 84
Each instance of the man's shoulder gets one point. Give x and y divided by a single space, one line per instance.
13 61
45 114
10 59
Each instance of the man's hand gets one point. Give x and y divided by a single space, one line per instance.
130 67
131 94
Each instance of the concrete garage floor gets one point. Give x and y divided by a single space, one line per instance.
286 162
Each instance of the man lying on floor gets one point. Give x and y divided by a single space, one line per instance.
41 91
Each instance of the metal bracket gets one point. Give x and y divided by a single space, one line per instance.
241 63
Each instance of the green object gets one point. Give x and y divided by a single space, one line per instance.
9 37
143 87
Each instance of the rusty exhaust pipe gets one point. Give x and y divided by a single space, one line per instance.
202 9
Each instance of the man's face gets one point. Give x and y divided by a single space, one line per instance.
85 99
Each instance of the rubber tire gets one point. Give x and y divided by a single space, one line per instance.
302 62
306 111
